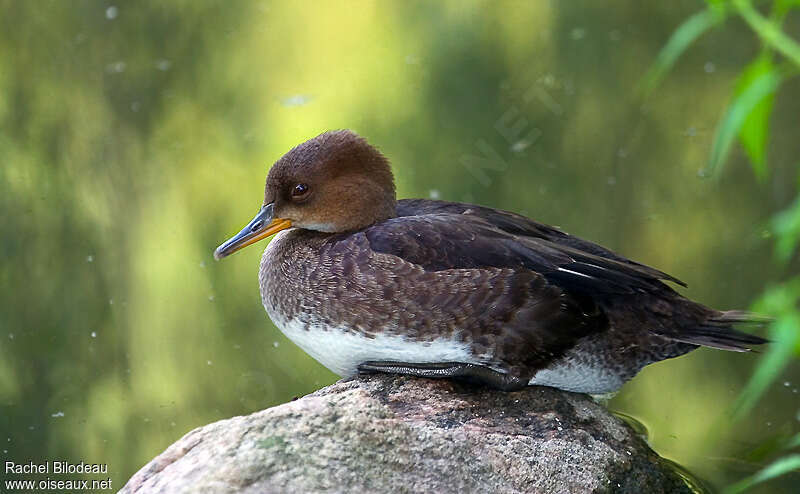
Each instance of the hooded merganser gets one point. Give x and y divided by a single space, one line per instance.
365 283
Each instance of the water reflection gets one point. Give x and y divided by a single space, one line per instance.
692 481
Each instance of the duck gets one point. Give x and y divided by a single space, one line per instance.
365 283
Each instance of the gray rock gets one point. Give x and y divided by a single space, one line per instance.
398 434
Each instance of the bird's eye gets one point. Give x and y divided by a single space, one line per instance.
299 191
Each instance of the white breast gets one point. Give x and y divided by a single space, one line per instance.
342 351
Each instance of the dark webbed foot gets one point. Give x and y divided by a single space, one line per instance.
443 370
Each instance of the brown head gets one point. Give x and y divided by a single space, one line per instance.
335 182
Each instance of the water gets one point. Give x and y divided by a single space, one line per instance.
134 140
691 480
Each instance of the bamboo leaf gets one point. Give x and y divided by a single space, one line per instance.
786 226
780 301
781 466
737 113
770 33
754 132
680 40
784 338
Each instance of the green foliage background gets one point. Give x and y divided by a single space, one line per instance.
135 138
747 117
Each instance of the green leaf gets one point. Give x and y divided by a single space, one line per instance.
754 131
738 111
769 32
794 442
780 8
680 40
781 466
786 226
780 301
720 5
784 336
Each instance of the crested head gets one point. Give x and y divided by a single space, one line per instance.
334 182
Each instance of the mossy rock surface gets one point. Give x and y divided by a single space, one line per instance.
398 434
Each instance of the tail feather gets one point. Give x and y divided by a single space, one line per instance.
718 333
739 317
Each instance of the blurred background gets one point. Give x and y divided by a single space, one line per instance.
135 138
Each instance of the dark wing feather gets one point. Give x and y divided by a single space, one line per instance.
520 226
443 240
478 236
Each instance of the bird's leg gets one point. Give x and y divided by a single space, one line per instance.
443 370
